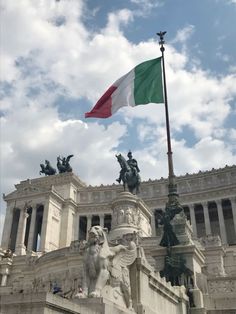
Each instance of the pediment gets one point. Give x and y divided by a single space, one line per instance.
25 191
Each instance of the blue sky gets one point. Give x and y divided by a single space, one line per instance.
58 57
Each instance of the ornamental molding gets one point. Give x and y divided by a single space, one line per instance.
58 179
222 286
85 210
153 192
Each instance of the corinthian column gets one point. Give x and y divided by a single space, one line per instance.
7 228
32 229
221 221
193 219
206 218
20 246
233 206
101 218
89 223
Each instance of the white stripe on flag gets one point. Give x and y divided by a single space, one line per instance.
124 94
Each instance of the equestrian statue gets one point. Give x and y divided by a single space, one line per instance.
129 173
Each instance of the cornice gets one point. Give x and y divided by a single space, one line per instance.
57 179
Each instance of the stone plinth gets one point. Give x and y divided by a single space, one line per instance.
194 258
194 261
214 254
182 229
101 306
130 214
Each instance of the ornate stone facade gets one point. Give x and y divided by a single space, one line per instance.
46 227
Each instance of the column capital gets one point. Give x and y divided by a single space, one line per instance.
232 200
218 202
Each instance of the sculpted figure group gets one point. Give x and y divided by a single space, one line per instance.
105 264
129 173
62 166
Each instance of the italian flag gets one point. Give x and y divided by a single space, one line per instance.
142 85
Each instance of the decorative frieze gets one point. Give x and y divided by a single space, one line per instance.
222 286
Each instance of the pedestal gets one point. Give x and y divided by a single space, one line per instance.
130 214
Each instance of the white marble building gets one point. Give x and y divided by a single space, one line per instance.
49 214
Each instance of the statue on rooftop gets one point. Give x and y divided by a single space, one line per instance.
129 173
47 169
63 164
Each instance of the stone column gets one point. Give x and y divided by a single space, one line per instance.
101 218
89 224
44 241
7 228
221 221
4 273
193 219
153 224
5 270
20 246
76 227
78 220
206 218
66 229
233 206
32 229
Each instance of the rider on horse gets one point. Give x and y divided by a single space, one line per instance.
133 166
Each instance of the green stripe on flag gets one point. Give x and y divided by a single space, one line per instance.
148 82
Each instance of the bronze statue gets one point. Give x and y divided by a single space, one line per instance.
169 238
129 173
63 164
47 169
175 270
133 164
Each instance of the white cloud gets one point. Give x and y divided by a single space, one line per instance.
42 60
144 7
184 34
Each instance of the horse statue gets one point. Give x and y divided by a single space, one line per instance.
130 177
63 164
47 169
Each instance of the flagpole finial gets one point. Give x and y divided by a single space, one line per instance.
161 41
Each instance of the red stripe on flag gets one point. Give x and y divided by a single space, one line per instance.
102 109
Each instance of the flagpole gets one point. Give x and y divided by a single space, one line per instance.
172 188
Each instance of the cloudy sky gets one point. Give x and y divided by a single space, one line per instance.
58 57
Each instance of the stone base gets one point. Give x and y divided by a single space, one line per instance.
38 303
183 229
194 261
48 303
101 306
20 249
130 214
